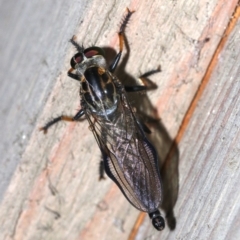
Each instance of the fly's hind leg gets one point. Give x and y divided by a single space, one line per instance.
104 157
79 114
101 170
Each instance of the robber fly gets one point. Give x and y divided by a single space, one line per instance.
129 159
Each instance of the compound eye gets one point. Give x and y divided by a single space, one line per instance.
77 58
93 51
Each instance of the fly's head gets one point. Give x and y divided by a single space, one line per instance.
86 58
98 90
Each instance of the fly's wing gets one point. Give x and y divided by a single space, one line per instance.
129 158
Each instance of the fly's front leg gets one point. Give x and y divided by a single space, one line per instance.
73 75
75 59
121 40
147 84
79 114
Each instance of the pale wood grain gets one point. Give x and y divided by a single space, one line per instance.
209 205
208 201
35 59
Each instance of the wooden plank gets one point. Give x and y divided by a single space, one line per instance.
209 157
208 198
36 57
34 41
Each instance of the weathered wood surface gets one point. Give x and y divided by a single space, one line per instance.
49 187
208 202
209 156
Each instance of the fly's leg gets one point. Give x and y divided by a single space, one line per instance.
79 114
147 84
137 88
73 75
101 171
150 73
144 127
104 157
121 40
79 49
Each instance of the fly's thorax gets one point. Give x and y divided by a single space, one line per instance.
98 91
